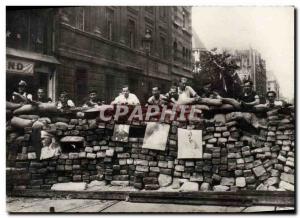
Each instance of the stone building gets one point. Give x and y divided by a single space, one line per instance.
29 50
252 66
103 48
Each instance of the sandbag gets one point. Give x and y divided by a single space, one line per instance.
29 117
201 107
26 109
232 102
60 119
47 107
21 123
38 125
211 102
12 105
45 120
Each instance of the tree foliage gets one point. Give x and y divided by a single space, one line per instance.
219 69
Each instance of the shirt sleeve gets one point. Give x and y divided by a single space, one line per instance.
136 100
71 103
192 91
29 97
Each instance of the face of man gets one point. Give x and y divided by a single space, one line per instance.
271 97
182 83
21 89
207 88
155 92
125 92
63 97
46 141
247 88
40 93
93 96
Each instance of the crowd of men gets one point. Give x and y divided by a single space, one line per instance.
180 94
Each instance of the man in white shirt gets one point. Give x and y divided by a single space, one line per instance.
126 98
22 96
186 93
271 102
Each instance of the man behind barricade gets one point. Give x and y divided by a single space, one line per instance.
64 102
186 94
271 100
41 96
249 98
21 96
93 100
157 98
126 98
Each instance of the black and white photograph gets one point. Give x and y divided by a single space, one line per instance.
189 144
207 92
121 133
156 136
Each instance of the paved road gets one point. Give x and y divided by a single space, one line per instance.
38 205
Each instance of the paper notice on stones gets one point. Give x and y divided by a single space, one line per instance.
121 133
189 144
156 136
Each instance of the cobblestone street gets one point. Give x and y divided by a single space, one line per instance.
40 205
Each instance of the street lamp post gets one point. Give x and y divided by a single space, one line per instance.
147 42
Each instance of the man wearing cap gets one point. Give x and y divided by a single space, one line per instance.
64 102
21 96
126 98
93 101
50 147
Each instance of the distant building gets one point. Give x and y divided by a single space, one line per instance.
272 83
253 67
198 47
80 48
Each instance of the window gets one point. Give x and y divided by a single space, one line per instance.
149 9
79 22
81 85
110 88
183 20
162 47
109 23
175 51
162 12
27 30
183 55
131 33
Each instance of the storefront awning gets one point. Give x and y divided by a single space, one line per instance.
31 56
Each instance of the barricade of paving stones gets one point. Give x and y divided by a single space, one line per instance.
233 159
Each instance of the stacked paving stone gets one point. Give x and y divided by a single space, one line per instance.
233 159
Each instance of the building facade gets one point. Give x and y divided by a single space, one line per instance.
103 48
253 67
29 50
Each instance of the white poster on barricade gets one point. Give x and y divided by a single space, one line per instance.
189 144
156 136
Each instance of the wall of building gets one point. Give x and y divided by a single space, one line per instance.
104 42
